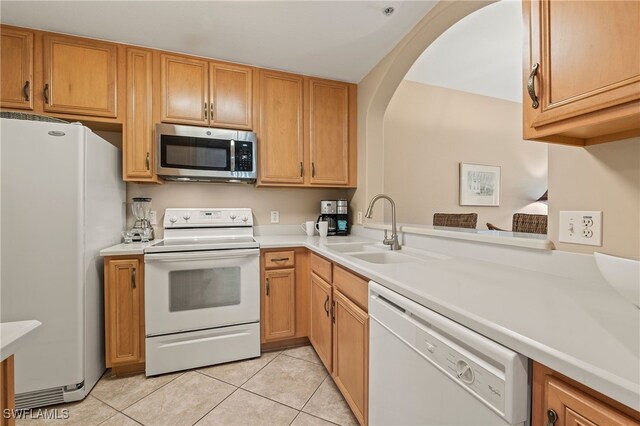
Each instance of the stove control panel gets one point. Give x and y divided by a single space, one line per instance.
208 218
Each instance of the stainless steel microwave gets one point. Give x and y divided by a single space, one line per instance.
202 154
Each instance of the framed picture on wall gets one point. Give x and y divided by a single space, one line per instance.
479 185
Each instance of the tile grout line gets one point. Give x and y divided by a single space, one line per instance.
314 392
272 400
317 417
251 377
140 399
302 359
218 404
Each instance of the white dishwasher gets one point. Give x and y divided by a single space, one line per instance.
425 369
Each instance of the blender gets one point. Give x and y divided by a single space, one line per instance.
142 229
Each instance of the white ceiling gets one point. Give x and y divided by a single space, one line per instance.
481 54
334 39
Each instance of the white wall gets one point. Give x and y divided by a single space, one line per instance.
429 130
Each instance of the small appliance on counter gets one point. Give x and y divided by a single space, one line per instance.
142 229
342 217
329 213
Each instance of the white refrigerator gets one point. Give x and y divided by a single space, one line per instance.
62 200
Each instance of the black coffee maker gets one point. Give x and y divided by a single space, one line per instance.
329 213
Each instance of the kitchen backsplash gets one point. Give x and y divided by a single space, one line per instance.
295 205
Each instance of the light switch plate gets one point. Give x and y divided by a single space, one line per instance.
359 219
581 227
153 218
275 216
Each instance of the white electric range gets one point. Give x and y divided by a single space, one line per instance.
202 290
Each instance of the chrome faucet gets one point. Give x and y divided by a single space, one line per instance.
393 241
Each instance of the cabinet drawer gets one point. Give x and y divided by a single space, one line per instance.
321 267
352 286
279 259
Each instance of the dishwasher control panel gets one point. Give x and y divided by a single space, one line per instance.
483 379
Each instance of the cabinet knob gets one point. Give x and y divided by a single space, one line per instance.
267 286
326 305
133 278
45 93
531 88
551 417
148 161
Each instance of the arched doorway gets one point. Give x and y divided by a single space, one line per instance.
377 88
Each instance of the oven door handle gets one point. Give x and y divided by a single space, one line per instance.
200 255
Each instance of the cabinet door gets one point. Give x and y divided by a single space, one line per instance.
124 311
16 68
329 132
351 354
80 76
184 95
281 128
575 408
321 324
138 141
280 304
231 97
589 62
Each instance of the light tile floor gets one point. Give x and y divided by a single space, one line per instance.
289 387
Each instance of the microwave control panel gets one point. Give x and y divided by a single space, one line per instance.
244 156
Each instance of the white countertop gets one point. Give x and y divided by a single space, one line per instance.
585 331
130 249
11 334
580 328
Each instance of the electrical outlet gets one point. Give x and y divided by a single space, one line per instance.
359 218
581 228
275 216
153 218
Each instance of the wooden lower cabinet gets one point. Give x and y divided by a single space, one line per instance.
124 310
339 330
7 392
351 354
560 401
284 299
320 319
280 304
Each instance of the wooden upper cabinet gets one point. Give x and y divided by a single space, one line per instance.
184 97
80 76
329 132
124 310
16 62
320 318
138 146
280 304
281 128
231 96
587 80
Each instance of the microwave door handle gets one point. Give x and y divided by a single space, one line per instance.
200 255
232 154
